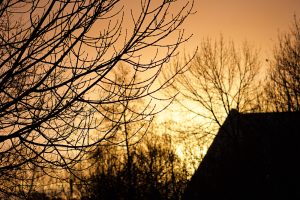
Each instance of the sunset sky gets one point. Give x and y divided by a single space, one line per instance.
257 21
109 95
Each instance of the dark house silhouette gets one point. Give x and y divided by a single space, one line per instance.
253 156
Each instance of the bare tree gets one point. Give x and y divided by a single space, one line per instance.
55 63
220 78
283 87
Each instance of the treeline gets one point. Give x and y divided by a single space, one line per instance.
148 170
151 170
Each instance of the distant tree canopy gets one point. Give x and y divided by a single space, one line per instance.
156 172
283 88
55 82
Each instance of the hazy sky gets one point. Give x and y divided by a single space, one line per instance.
257 21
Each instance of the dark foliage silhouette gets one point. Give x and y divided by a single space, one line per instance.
156 172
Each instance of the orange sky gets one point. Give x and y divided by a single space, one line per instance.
257 21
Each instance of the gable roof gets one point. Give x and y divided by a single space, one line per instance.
253 156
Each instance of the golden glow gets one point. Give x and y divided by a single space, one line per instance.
258 22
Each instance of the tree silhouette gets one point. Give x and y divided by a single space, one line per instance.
283 87
157 172
55 64
221 77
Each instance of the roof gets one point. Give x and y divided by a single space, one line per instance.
253 156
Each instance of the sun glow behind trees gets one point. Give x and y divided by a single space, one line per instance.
62 94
